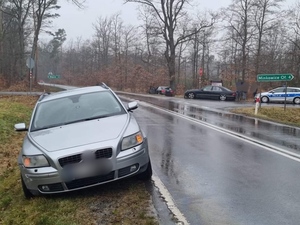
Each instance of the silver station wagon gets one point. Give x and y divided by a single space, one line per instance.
81 138
280 94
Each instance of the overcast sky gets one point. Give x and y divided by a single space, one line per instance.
79 23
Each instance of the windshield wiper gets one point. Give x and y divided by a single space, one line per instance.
75 121
86 119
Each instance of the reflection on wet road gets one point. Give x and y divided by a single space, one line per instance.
285 137
215 178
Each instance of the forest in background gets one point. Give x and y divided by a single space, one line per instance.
176 45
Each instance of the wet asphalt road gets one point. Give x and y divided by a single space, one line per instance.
219 178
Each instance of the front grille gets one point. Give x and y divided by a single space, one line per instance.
89 181
103 153
70 160
52 187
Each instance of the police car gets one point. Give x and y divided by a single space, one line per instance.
280 94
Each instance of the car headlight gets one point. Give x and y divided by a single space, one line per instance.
132 140
33 161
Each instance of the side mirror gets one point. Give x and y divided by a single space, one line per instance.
20 127
132 106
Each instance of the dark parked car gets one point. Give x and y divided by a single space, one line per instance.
211 92
81 138
152 90
167 92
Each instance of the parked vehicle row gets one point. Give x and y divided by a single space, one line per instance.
280 94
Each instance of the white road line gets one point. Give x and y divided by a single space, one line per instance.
269 147
162 188
169 201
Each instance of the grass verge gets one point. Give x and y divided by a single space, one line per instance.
123 202
288 116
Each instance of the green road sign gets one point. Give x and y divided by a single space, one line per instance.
52 76
274 77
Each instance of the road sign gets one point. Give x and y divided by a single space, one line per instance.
30 63
200 71
274 77
53 76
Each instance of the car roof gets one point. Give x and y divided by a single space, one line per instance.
284 87
71 92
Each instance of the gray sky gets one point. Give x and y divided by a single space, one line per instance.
79 23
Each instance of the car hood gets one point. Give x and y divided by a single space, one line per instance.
79 134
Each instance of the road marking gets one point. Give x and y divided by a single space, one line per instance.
162 188
269 147
169 201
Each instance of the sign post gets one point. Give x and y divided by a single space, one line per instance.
30 65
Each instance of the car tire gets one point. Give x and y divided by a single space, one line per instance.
147 174
26 192
296 101
222 97
264 99
191 95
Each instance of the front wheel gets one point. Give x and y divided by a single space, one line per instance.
26 192
191 95
222 97
297 101
147 174
264 99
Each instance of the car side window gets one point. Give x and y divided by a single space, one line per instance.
279 90
207 88
216 88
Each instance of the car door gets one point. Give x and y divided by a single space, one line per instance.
292 93
205 92
277 95
216 92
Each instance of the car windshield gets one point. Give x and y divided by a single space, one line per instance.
75 108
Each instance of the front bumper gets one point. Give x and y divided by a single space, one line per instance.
49 180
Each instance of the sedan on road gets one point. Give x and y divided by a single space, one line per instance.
280 94
81 138
211 92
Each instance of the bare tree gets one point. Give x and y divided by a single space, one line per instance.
168 14
41 13
103 38
265 15
241 24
